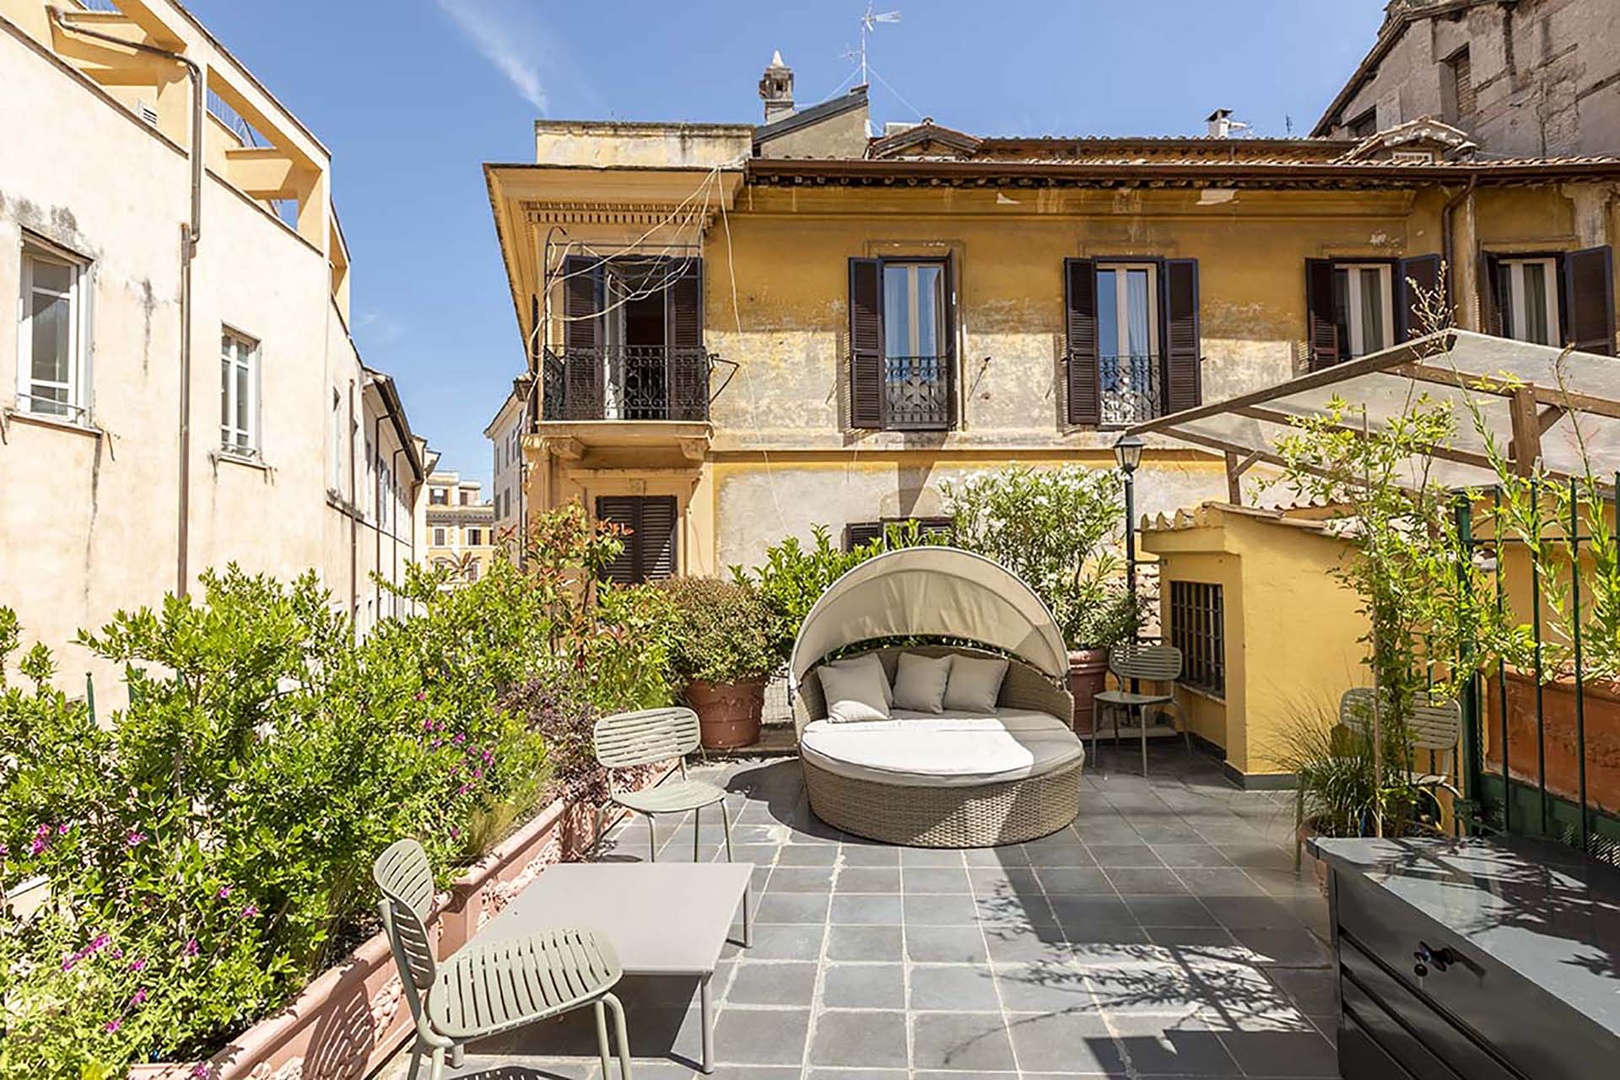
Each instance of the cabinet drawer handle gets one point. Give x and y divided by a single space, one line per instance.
1439 959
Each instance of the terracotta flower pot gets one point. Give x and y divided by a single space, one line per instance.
728 713
1088 670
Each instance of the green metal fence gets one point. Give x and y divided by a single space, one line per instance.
1532 766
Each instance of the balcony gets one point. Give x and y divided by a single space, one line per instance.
1129 389
917 393
626 382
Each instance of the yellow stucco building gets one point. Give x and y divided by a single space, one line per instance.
742 331
460 532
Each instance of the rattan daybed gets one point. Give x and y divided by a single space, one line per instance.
948 780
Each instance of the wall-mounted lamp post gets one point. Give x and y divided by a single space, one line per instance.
1128 453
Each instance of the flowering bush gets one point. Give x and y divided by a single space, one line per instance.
722 631
209 849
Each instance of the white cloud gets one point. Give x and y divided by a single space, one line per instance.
509 36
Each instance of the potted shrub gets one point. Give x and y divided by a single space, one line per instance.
722 653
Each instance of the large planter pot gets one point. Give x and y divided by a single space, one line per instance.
353 1017
1601 722
1088 673
728 713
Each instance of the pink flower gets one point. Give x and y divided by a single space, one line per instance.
455 833
488 756
462 790
137 964
250 911
100 940
191 947
200 1072
421 695
224 891
37 846
70 960
460 738
112 1026
139 998
135 838
62 828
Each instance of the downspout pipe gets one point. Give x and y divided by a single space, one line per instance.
190 234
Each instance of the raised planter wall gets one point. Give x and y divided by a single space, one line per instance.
1601 710
353 1017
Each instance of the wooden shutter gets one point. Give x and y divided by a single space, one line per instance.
1322 333
650 552
688 367
583 329
620 510
1416 278
1589 300
1084 405
865 343
860 533
949 288
1182 382
1490 294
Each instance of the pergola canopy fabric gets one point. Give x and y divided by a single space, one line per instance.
1530 397
931 591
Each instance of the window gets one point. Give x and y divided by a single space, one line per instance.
901 345
649 523
1127 342
466 498
1527 297
438 497
1458 100
1363 310
472 570
238 394
52 339
1198 629
438 536
337 442
1364 125
893 531
474 537
1132 348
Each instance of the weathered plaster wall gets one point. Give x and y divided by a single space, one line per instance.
583 142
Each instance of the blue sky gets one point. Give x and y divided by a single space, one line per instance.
412 96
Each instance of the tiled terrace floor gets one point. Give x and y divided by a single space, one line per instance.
1163 934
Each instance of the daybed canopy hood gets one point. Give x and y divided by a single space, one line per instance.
932 591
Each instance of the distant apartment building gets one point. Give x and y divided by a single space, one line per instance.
1523 78
179 389
460 527
505 435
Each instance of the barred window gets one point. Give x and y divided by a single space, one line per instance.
1197 628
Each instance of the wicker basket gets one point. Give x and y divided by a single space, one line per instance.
978 815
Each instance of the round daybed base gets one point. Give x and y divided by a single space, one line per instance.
980 815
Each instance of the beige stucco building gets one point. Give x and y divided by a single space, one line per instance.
180 389
1532 78
505 434
742 331
460 533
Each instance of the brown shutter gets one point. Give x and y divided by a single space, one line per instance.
620 510
657 551
865 344
1589 300
1084 404
1182 384
582 337
860 533
1415 279
688 364
1322 333
1490 294
950 339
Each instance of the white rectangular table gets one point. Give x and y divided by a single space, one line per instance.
663 918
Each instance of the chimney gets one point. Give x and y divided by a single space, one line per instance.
776 87
1220 124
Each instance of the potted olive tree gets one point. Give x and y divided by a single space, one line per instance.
721 654
1060 530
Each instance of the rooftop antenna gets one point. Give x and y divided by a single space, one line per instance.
869 23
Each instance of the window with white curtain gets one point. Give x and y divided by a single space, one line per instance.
1527 290
52 340
238 394
1363 308
1127 340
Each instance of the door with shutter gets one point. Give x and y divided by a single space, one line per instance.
1182 380
688 377
1321 329
1417 280
650 546
1083 404
1589 300
583 333
865 344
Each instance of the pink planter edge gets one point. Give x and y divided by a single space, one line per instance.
323 1031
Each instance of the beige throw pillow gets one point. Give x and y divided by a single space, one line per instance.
865 660
919 682
854 693
974 685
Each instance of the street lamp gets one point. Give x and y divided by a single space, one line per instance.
1128 453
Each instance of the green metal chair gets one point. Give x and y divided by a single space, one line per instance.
1160 664
625 740
486 989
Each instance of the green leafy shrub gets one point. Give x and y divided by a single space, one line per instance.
209 850
722 631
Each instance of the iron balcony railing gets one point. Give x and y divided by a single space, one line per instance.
1129 389
917 393
626 382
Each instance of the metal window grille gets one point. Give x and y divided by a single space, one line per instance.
1197 628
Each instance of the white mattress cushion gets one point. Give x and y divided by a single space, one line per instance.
922 749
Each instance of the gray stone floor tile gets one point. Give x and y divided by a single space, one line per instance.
1251 913
859 1074
952 988
1008 944
1002 880
1146 880
760 1036
946 945
781 942
807 855
1296 947
1314 991
758 982
868 943
869 855
1013 908
1080 909
1045 988
1006 856
1084 880
1176 1053
1062 1041
868 879
1190 855
791 908
940 909
1282 1054
934 879
860 1039
970 1042
932 857
1152 911
1197 936
866 909
801 879
1109 856
1205 883
864 986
